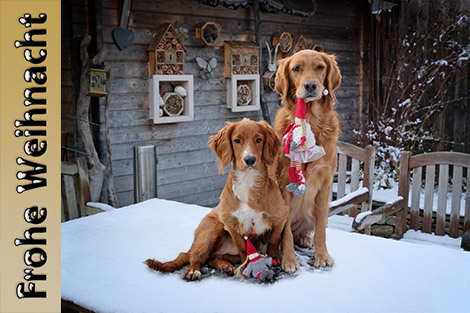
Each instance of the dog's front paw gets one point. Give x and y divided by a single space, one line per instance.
323 259
227 268
192 274
290 264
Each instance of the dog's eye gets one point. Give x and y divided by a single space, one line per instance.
237 140
258 140
320 67
296 68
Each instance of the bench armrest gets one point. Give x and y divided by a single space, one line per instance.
348 201
365 219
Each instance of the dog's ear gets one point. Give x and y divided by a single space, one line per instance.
271 144
333 78
221 143
282 80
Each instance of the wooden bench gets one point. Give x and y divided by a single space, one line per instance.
441 173
76 191
353 182
352 161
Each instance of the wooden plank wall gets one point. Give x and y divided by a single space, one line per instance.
186 169
67 79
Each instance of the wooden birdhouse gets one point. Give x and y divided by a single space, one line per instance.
269 80
173 104
241 58
166 52
284 39
97 82
299 43
208 33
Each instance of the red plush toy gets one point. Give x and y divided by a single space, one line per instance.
257 266
300 146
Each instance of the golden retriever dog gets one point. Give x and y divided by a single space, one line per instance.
250 205
307 74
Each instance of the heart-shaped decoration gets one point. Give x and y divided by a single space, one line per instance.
123 37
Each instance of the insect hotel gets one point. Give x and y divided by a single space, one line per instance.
299 44
242 73
284 40
171 92
166 52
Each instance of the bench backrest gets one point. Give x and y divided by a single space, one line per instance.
444 176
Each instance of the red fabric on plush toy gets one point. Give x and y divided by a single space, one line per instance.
300 146
257 266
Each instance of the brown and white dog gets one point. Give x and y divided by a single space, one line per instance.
250 205
307 74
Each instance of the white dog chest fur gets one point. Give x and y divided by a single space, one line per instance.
243 182
247 217
250 219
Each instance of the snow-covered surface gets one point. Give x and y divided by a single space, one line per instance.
420 237
362 216
349 196
102 270
101 206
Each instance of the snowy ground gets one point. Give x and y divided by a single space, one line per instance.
102 270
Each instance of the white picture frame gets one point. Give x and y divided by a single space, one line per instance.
185 81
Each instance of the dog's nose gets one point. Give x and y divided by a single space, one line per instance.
250 161
310 85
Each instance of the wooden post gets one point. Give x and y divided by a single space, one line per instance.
368 182
108 190
96 168
403 190
264 105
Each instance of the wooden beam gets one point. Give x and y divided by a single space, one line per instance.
455 158
264 105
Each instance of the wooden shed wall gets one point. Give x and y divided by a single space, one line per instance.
186 169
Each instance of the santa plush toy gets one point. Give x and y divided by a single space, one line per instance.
257 266
300 146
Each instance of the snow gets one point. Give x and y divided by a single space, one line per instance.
362 216
349 196
102 270
101 206
418 236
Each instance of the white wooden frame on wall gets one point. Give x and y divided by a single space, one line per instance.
185 81
232 87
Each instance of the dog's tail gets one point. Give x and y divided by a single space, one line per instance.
176 264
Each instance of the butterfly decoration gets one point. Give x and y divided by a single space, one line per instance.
206 68
181 31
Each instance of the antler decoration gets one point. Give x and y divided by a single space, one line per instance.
272 58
